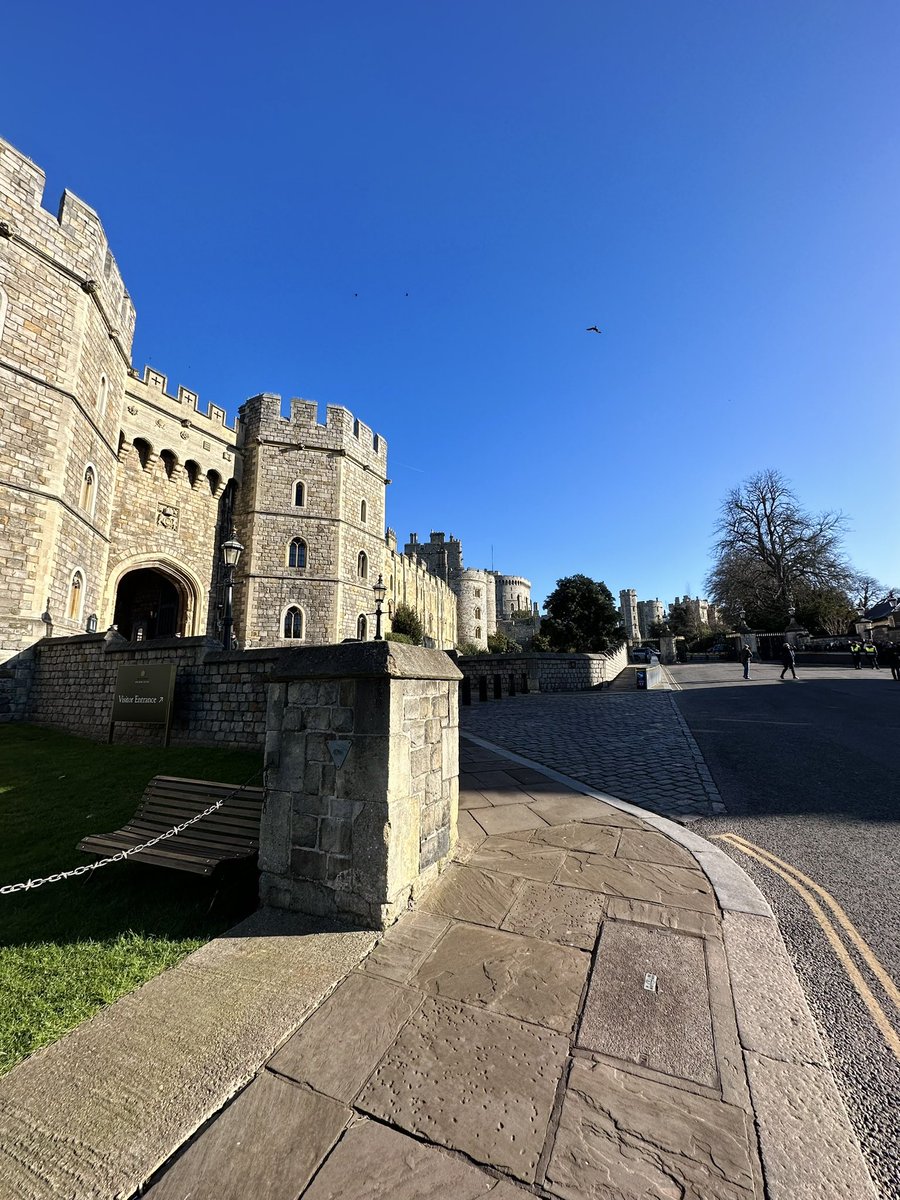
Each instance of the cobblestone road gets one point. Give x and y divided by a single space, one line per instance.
635 746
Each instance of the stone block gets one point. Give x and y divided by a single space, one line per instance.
558 914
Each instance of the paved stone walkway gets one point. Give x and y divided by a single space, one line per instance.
555 1019
632 745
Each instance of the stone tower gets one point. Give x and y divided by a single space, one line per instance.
513 595
66 327
310 514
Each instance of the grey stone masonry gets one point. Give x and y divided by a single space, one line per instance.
362 787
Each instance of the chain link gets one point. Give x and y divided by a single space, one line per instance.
11 888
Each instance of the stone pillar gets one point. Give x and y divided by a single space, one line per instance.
667 649
362 778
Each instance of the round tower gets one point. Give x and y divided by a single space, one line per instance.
513 595
476 615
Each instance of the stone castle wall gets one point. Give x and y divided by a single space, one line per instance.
513 595
68 683
542 672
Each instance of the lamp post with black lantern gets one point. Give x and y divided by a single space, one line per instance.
231 553
379 591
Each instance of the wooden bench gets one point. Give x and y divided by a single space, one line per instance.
228 835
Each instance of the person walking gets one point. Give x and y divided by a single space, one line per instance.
787 658
892 657
871 652
746 655
856 651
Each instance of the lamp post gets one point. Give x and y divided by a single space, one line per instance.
380 591
231 552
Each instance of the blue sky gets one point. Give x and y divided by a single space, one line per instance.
414 210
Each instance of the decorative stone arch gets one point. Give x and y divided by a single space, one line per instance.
191 592
75 594
90 482
298 493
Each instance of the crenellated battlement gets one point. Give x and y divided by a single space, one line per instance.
73 241
260 419
185 404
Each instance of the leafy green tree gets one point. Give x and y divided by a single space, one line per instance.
581 616
469 648
399 637
407 620
540 643
499 643
659 629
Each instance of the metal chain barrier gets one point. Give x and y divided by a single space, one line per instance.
11 888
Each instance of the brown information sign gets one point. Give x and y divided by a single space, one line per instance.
144 695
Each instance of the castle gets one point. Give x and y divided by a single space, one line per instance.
115 496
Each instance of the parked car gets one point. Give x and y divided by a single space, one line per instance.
645 654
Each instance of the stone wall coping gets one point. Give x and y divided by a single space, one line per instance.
536 656
364 659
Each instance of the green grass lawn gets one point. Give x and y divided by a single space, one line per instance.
71 947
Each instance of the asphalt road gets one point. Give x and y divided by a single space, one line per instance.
810 771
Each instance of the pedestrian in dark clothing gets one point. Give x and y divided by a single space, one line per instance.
787 657
746 655
871 652
856 651
892 655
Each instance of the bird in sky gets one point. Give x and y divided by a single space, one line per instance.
593 329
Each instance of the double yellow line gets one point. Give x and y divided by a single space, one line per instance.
808 889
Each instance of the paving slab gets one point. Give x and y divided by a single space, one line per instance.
704 924
667 1027
578 835
799 1112
675 886
508 817
373 1162
83 1117
470 799
559 914
760 969
517 857
469 894
336 1049
472 1081
648 846
523 977
268 1142
470 832
568 806
405 946
622 1137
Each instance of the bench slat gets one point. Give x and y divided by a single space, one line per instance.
230 834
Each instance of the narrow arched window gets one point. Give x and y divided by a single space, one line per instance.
363 511
88 489
297 553
356 427
299 494
478 631
477 614
102 394
192 470
76 596
143 451
169 462
362 627
215 482
362 565
3 304
293 623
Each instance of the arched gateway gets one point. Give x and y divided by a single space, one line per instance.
156 599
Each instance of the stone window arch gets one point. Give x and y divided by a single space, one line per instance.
363 512
362 565
477 614
169 462
299 494
144 450
3 306
102 395
362 627
293 623
89 489
478 631
297 552
76 596
192 470
215 482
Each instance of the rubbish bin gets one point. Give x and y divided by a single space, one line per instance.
640 678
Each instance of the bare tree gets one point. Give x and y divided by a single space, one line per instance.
769 549
866 591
